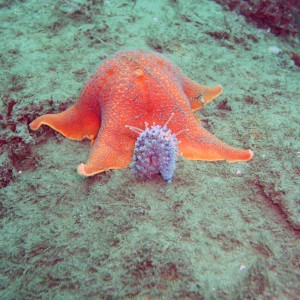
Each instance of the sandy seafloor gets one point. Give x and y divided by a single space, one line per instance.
219 230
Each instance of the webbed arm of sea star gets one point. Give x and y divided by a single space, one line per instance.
199 95
199 144
111 150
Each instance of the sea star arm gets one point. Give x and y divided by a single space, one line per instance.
72 123
80 121
199 95
199 144
111 150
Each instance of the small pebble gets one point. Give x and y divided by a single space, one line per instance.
239 173
274 49
242 267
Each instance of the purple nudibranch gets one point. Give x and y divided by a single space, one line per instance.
155 152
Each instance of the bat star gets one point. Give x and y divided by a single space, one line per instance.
131 88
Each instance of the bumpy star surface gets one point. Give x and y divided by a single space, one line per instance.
131 88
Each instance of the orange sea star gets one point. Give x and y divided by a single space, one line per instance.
128 89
